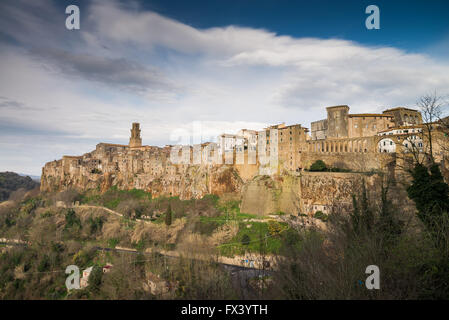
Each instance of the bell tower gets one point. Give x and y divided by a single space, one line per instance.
135 141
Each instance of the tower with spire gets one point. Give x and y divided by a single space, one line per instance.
135 141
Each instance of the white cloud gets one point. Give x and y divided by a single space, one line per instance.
226 78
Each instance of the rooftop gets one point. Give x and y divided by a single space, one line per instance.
400 108
341 106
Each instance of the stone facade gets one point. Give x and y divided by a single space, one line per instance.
135 141
341 124
404 116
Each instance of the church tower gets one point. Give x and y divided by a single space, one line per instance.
135 141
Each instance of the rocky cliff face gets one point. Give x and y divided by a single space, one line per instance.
266 195
146 168
150 169
195 182
305 193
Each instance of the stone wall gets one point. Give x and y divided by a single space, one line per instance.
304 193
361 162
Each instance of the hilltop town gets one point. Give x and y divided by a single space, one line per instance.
349 144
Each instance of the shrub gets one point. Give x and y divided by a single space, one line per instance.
274 228
95 279
44 264
245 240
320 215
339 170
205 227
130 208
95 224
113 242
71 219
318 165
68 196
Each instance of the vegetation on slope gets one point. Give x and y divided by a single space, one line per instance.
10 182
411 251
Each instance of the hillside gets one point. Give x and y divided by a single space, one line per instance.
11 181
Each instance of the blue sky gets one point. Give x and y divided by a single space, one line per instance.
219 65
411 25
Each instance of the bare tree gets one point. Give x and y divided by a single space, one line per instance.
431 106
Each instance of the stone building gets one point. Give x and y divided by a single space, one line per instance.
404 116
357 142
291 143
341 124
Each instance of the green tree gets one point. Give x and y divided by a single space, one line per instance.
246 240
388 224
274 228
365 211
431 196
71 219
95 279
362 217
318 165
168 215
320 215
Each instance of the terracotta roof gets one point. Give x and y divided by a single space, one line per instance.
399 108
338 106
289 126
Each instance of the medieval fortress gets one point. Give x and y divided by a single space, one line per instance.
267 169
